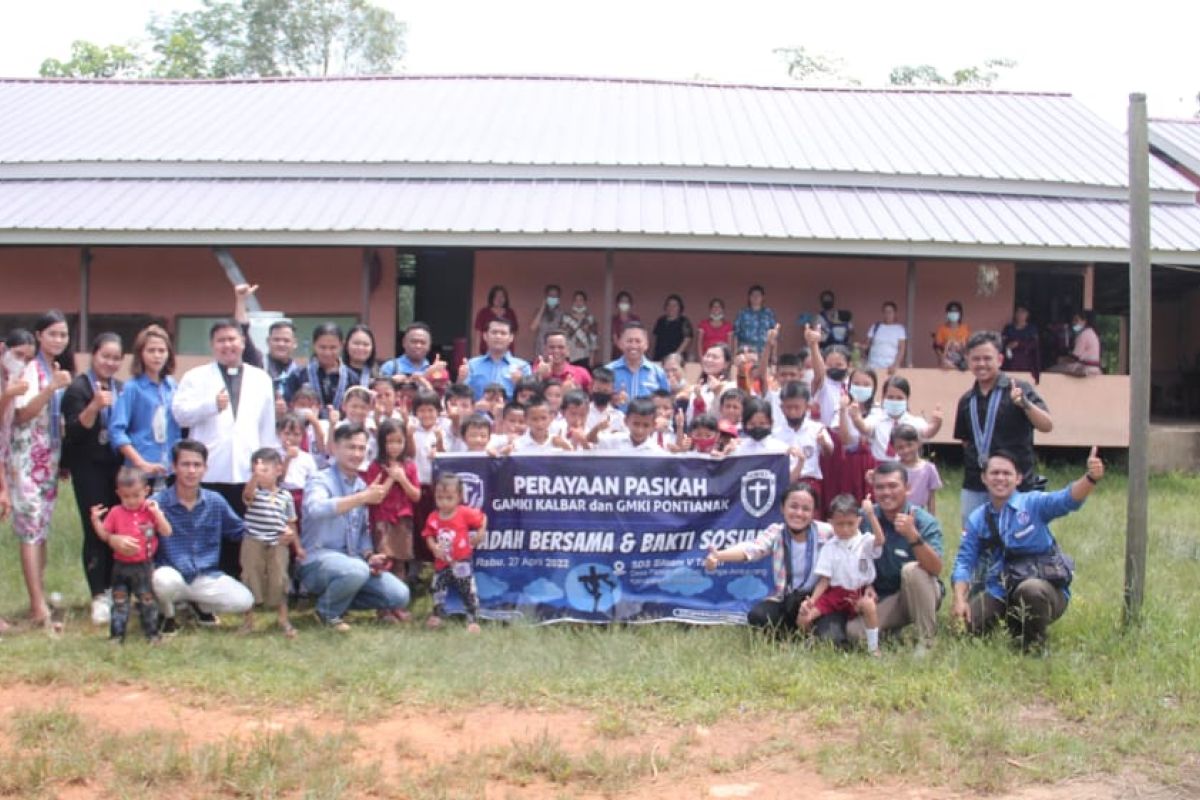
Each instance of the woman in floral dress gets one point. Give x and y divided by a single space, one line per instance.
34 454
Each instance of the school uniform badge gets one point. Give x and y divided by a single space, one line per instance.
758 492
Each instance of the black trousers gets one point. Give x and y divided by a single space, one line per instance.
778 618
95 484
231 552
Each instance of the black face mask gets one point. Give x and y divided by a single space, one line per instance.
826 303
838 374
795 422
601 399
758 434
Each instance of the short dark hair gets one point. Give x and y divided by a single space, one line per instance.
756 288
676 298
538 400
899 382
731 394
222 324
790 360
641 407
954 305
891 303
281 323
905 433
659 394
575 398
510 406
189 446
843 504
980 338
460 391
886 468
604 375
474 420
528 384
1008 456
346 430
101 339
494 387
327 329
426 398
498 321
708 422
288 420
795 390
632 325
417 326
267 454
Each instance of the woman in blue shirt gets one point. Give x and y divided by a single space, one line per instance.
754 321
1013 527
142 428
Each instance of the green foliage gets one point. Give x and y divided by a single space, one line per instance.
815 68
977 76
90 60
251 38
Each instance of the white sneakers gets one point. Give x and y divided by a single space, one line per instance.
101 609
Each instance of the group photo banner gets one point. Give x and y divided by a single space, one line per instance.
614 538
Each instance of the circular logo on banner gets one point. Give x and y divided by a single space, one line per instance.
758 491
472 489
593 587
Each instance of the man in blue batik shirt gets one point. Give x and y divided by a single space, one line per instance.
1014 526
633 375
497 365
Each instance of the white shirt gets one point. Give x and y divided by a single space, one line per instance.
621 443
882 425
616 418
231 439
885 344
298 470
807 440
829 398
849 563
424 449
748 447
558 426
526 445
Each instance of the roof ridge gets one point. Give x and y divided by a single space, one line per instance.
713 84
1185 120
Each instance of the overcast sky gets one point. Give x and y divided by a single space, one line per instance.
1099 50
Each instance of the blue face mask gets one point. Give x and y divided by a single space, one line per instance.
1077 328
861 394
895 408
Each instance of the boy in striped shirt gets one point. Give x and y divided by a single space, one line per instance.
270 534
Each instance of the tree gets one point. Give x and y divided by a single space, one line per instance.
981 76
815 68
90 60
252 38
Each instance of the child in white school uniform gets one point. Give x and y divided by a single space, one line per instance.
846 567
638 437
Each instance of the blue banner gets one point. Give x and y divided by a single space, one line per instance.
614 538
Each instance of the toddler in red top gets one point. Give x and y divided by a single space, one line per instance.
132 530
452 532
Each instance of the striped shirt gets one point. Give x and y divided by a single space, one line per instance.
267 517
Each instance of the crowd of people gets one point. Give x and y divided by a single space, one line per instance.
252 476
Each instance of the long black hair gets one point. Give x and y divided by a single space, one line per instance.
53 317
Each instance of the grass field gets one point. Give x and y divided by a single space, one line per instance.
971 715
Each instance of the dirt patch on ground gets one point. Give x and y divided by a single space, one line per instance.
522 753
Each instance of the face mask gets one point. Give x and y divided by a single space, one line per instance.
551 302
807 376
837 374
953 316
895 408
861 394
1077 328
705 445
716 316
826 303
601 399
795 422
758 433
579 309
624 307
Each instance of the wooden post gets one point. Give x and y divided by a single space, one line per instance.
606 313
1136 520
85 304
910 310
1089 287
368 256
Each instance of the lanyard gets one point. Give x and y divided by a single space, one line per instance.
96 388
983 438
314 380
55 400
810 551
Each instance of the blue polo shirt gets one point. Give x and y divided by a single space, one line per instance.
194 546
648 378
485 370
403 366
1023 526
132 420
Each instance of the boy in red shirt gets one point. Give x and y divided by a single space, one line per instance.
452 531
129 529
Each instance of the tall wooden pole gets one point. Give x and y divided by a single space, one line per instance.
1136 522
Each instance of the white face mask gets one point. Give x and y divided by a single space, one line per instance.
717 316
551 302
895 408
953 316
579 308
1077 328
861 394
624 307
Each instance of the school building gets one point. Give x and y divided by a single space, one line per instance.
390 199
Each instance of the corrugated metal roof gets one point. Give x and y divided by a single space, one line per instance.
580 122
634 213
1179 139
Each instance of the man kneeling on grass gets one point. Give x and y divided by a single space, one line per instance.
189 559
1029 581
340 565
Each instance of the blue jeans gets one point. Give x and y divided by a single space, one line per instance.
343 582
